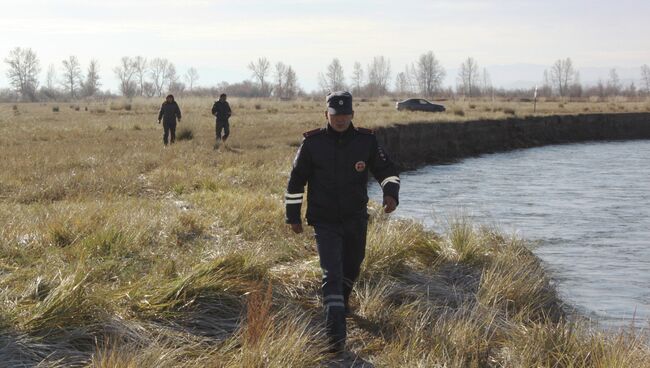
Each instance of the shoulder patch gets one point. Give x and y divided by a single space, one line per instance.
366 131
314 132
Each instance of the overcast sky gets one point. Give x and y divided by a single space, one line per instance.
513 39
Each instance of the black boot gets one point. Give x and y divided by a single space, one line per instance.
335 328
346 298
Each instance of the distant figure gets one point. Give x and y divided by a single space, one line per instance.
221 109
169 112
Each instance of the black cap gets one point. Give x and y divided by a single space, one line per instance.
339 103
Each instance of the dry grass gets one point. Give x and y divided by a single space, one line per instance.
117 252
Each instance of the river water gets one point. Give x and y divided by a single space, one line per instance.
587 206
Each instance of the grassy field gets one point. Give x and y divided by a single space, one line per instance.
117 252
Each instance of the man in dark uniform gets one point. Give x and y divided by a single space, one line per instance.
221 109
334 163
169 112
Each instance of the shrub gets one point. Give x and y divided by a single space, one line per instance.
55 109
459 111
509 111
258 106
272 110
128 107
185 134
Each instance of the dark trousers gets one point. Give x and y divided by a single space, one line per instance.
341 249
225 126
169 129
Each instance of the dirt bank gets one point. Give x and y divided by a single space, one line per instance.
417 143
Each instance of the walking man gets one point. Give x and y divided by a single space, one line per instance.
221 109
334 163
169 112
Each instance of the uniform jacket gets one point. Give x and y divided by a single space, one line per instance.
221 110
335 168
169 111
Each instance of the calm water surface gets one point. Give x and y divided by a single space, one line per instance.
586 205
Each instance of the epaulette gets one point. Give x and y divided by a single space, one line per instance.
366 131
314 132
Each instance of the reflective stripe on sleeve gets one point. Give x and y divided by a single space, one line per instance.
293 201
293 195
335 304
390 179
333 297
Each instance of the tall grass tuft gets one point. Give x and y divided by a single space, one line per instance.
67 306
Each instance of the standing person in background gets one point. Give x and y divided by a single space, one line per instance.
221 109
333 162
169 112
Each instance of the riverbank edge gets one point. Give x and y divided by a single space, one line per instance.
414 144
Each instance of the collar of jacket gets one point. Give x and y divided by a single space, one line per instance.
334 134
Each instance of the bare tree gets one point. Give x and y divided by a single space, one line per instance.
378 76
191 76
429 74
280 79
72 77
402 84
291 83
486 83
148 89
163 75
613 83
335 76
600 87
645 77
468 77
172 80
575 88
631 90
50 78
357 78
140 65
562 74
260 69
91 85
24 68
125 73
412 77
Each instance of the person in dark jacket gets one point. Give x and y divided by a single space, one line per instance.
334 162
169 112
221 110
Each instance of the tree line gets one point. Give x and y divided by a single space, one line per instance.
140 76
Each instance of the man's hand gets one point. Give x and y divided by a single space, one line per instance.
297 228
389 204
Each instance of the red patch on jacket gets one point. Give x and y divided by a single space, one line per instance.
360 166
